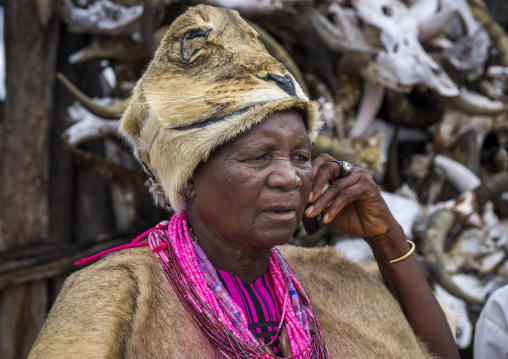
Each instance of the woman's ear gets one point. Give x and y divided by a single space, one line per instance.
189 191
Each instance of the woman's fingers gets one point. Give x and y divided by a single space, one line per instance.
319 161
334 189
340 192
344 198
338 195
326 169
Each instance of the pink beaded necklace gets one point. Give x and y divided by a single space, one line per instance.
198 287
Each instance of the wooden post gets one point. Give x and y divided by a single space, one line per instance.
31 39
30 73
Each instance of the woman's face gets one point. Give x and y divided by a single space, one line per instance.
253 190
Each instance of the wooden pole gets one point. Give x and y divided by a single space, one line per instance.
31 39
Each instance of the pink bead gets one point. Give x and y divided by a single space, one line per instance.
213 304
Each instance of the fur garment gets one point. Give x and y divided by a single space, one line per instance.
124 307
211 79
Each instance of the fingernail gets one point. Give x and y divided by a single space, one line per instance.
310 196
326 218
309 210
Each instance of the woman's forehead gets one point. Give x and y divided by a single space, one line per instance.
289 122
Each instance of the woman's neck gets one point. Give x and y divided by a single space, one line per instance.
247 263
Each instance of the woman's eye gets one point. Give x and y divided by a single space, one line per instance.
261 157
301 157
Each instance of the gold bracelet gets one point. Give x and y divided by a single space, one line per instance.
413 246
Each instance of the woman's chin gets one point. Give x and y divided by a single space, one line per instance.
278 236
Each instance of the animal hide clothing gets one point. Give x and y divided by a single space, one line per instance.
123 306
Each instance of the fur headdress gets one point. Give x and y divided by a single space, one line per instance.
210 80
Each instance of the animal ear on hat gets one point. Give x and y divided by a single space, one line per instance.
134 116
192 41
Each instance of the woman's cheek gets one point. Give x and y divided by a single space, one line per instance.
307 178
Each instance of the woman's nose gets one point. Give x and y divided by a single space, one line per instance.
284 175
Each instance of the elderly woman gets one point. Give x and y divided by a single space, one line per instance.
225 133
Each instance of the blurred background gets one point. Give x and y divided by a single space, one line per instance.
414 90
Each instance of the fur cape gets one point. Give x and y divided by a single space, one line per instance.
124 307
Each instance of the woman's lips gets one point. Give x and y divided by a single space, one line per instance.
281 214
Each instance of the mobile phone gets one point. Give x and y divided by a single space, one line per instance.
312 225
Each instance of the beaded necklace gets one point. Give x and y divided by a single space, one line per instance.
198 287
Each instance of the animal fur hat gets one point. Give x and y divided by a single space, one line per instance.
210 80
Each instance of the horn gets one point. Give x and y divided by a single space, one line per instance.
438 227
491 188
485 107
459 175
496 32
108 112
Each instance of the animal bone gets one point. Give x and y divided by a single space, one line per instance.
365 151
475 249
439 225
475 104
424 9
249 6
102 17
462 136
87 126
462 7
459 175
470 54
495 30
466 205
403 60
430 27
400 61
344 33
500 72
370 104
119 49
404 209
104 111
494 187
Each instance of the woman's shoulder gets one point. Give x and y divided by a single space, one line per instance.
327 260
131 264
93 312
112 281
101 305
130 257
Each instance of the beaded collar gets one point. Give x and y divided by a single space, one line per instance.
198 287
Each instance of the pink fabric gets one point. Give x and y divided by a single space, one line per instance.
257 301
135 243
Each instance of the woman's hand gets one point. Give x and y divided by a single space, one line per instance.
352 204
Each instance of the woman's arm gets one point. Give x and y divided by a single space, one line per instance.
354 205
408 285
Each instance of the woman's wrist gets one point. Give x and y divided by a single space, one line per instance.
390 246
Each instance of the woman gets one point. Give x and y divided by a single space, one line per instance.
224 133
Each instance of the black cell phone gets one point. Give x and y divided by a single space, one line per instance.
312 225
